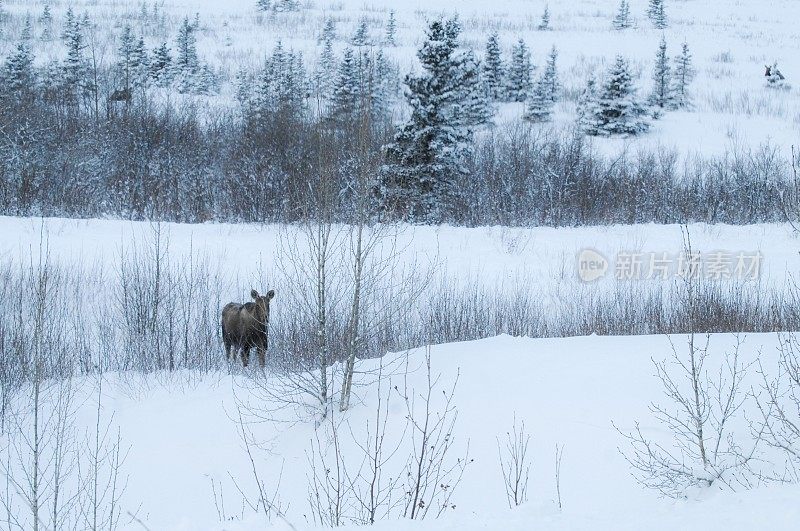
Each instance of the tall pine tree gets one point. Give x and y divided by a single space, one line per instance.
681 78
391 29
656 13
494 69
429 154
520 72
623 18
661 96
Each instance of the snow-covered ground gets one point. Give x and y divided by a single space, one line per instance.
548 256
181 436
731 43
185 445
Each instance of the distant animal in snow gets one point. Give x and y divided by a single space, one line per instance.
245 327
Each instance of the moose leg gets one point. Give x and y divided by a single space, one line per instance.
228 345
245 355
262 355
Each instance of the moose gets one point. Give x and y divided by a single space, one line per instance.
772 74
244 326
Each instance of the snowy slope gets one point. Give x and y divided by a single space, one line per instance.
731 43
568 392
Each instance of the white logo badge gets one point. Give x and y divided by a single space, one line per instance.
591 265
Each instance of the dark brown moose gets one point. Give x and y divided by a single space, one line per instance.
244 327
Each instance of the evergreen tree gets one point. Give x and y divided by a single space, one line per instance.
520 72
391 30
186 48
384 88
285 6
551 83
618 111
328 31
46 21
494 69
19 78
477 109
282 85
27 29
661 96
361 36
263 5
681 78
544 25
429 152
588 107
161 65
656 13
74 64
326 69
125 64
346 92
540 104
623 19
140 64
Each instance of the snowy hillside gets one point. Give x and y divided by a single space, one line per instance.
731 43
183 445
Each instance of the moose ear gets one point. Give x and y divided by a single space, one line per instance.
271 294
254 294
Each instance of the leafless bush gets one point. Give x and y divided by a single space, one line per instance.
779 405
515 464
700 417
432 475
167 309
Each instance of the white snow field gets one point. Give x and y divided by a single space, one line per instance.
181 436
186 456
731 43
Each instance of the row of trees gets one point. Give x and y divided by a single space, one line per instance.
160 159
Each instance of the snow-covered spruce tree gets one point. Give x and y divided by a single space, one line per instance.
125 61
587 109
391 29
494 69
186 48
361 36
661 96
75 67
656 13
429 152
476 106
140 63
160 67
326 69
285 6
263 5
46 22
540 103
623 18
682 76
520 72
618 110
328 31
282 85
27 29
384 87
346 91
19 77
544 24
549 79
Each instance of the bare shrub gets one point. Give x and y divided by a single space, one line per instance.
515 464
